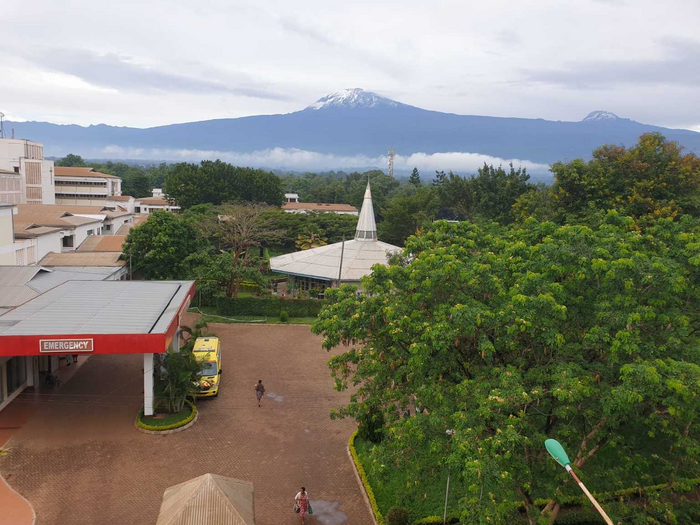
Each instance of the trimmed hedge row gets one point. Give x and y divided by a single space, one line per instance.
365 482
156 428
268 306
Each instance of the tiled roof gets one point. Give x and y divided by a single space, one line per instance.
319 206
155 201
102 243
83 259
50 215
28 230
119 198
63 171
77 209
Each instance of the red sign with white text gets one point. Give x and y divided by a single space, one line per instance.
65 345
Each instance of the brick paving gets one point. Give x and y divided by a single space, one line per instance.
80 461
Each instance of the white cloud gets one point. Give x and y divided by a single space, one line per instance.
300 160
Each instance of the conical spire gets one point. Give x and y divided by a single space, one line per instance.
366 226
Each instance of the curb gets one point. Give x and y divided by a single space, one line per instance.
29 504
362 487
165 432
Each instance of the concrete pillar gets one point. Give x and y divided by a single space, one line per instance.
29 367
176 340
147 384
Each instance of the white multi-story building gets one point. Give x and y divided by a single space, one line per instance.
158 202
85 186
23 243
26 158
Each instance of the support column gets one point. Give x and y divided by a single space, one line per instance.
147 384
176 340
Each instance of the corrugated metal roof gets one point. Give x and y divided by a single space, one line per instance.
71 171
102 243
319 206
206 500
97 307
44 281
13 284
324 262
83 259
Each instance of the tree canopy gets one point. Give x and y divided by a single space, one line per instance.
217 182
514 335
159 247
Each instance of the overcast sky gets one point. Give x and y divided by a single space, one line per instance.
146 63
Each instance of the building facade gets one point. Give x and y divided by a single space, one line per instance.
85 186
26 158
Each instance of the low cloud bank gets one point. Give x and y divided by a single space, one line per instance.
300 160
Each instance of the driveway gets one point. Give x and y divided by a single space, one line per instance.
79 460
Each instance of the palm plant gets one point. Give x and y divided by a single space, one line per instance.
180 379
312 237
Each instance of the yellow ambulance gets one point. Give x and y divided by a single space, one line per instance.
207 350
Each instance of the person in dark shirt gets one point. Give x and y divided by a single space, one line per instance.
259 391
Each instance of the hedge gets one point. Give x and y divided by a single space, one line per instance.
365 482
268 306
179 424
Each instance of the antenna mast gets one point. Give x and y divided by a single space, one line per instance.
391 162
2 127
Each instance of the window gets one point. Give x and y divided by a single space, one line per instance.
137 209
68 241
91 232
16 169
108 227
16 373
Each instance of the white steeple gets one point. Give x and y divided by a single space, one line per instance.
366 226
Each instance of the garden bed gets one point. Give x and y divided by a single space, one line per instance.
167 423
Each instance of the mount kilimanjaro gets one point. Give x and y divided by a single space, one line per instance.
354 122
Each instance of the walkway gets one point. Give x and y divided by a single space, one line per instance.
80 461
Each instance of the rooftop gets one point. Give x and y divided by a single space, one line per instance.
318 206
110 259
64 171
99 307
19 284
120 198
28 230
50 215
155 201
358 255
102 243
93 210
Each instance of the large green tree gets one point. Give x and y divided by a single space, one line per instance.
216 182
405 215
650 180
586 335
71 160
158 248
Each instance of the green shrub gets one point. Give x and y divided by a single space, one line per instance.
284 316
268 306
397 516
365 482
371 425
160 428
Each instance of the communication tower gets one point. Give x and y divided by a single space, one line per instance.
391 162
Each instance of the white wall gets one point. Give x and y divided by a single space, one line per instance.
45 244
47 182
7 237
81 233
117 223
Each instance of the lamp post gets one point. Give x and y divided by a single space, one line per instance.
559 454
450 432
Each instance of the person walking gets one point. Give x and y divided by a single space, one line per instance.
259 391
302 500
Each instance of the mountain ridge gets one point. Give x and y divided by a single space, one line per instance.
355 122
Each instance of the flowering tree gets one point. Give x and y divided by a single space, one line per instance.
586 335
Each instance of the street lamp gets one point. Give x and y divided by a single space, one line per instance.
450 432
559 454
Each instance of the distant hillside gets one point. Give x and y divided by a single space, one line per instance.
357 122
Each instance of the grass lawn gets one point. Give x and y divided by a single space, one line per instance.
393 487
167 419
210 316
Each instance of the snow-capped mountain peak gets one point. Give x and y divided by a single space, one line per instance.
600 115
352 98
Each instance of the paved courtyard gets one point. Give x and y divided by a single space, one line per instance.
79 460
